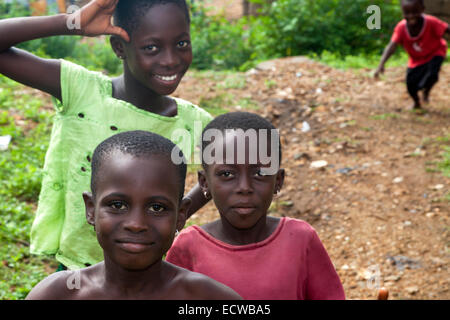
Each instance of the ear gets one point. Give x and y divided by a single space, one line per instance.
279 180
182 213
90 208
118 46
202 181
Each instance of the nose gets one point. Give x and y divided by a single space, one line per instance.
245 184
135 221
169 58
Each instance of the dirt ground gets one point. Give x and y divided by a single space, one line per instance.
378 204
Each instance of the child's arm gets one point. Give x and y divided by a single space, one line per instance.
198 200
44 74
388 52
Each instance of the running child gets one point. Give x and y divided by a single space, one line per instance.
135 207
422 37
152 37
259 256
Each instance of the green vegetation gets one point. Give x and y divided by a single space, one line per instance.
29 124
444 166
385 116
333 30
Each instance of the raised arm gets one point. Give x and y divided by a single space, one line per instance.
388 52
24 67
44 74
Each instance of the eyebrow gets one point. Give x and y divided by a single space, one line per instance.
124 196
152 38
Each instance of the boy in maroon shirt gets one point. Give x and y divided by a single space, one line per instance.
422 37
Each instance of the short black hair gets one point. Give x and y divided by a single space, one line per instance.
138 144
128 12
238 120
412 1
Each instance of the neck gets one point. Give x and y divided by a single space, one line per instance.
259 232
129 283
418 25
127 88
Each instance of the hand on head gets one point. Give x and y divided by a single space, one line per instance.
95 19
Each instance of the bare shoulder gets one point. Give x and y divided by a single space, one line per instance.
57 286
196 286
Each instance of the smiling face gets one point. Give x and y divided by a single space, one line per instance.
412 11
241 192
159 53
136 209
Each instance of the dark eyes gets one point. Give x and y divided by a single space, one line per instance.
259 173
122 206
225 174
156 208
118 205
151 48
230 174
154 48
183 44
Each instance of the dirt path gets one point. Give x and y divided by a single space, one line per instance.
378 205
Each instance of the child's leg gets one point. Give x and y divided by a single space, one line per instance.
413 76
432 76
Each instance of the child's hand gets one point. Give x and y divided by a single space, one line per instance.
95 19
380 70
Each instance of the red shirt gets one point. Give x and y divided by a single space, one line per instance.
291 264
426 45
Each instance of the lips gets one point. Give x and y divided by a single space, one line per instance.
133 245
244 208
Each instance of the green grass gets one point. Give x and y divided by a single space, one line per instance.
216 105
385 116
29 124
444 165
334 60
232 81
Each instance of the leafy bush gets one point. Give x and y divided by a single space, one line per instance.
292 27
217 43
96 54
299 27
13 9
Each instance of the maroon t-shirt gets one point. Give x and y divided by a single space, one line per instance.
291 264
